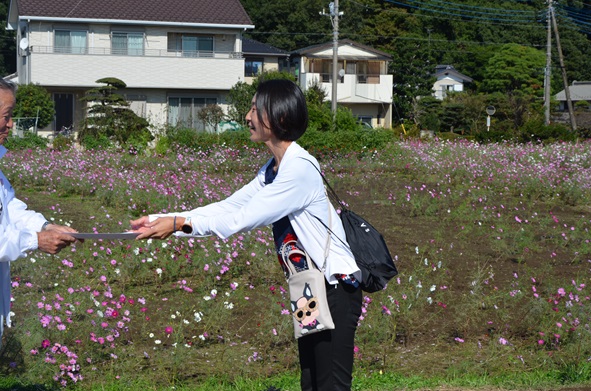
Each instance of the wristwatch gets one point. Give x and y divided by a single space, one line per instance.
187 226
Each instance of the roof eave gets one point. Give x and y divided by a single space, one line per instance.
265 54
127 21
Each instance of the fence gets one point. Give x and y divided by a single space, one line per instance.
24 125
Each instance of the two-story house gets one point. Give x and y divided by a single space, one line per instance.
364 85
175 56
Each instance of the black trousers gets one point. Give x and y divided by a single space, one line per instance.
326 358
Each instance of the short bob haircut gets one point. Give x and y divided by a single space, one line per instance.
285 106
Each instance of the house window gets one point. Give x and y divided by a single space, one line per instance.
191 45
66 41
253 67
369 72
183 112
365 121
327 72
127 44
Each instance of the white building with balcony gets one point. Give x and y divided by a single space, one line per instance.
364 85
175 57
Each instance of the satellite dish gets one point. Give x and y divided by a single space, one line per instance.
24 44
341 72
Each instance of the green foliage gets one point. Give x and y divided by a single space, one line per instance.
32 100
347 140
535 130
62 143
427 112
240 95
515 68
7 43
211 116
109 121
29 141
174 137
95 141
582 105
239 99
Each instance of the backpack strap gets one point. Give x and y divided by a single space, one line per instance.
330 195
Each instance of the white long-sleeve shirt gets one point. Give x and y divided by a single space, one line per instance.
18 235
297 192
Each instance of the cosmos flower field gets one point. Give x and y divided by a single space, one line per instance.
491 241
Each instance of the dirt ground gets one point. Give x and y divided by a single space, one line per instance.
405 230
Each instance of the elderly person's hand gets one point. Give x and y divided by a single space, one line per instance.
52 242
59 228
161 228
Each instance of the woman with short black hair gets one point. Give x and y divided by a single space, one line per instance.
287 193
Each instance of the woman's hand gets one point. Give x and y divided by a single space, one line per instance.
161 228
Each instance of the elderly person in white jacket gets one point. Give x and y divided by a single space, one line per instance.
21 230
287 193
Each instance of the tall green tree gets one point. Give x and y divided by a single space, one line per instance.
515 68
7 43
33 101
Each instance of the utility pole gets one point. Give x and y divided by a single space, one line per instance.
569 103
547 72
334 18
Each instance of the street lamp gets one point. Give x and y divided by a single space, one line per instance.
490 110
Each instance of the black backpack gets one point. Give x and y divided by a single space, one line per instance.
370 251
367 245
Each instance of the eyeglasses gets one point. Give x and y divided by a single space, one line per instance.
310 306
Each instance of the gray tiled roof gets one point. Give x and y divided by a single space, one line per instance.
174 11
250 46
579 90
449 70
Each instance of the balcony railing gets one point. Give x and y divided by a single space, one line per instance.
361 78
134 52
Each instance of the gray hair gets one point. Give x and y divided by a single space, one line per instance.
6 85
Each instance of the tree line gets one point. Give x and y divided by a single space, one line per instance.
501 45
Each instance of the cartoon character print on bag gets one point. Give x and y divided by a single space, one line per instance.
306 311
